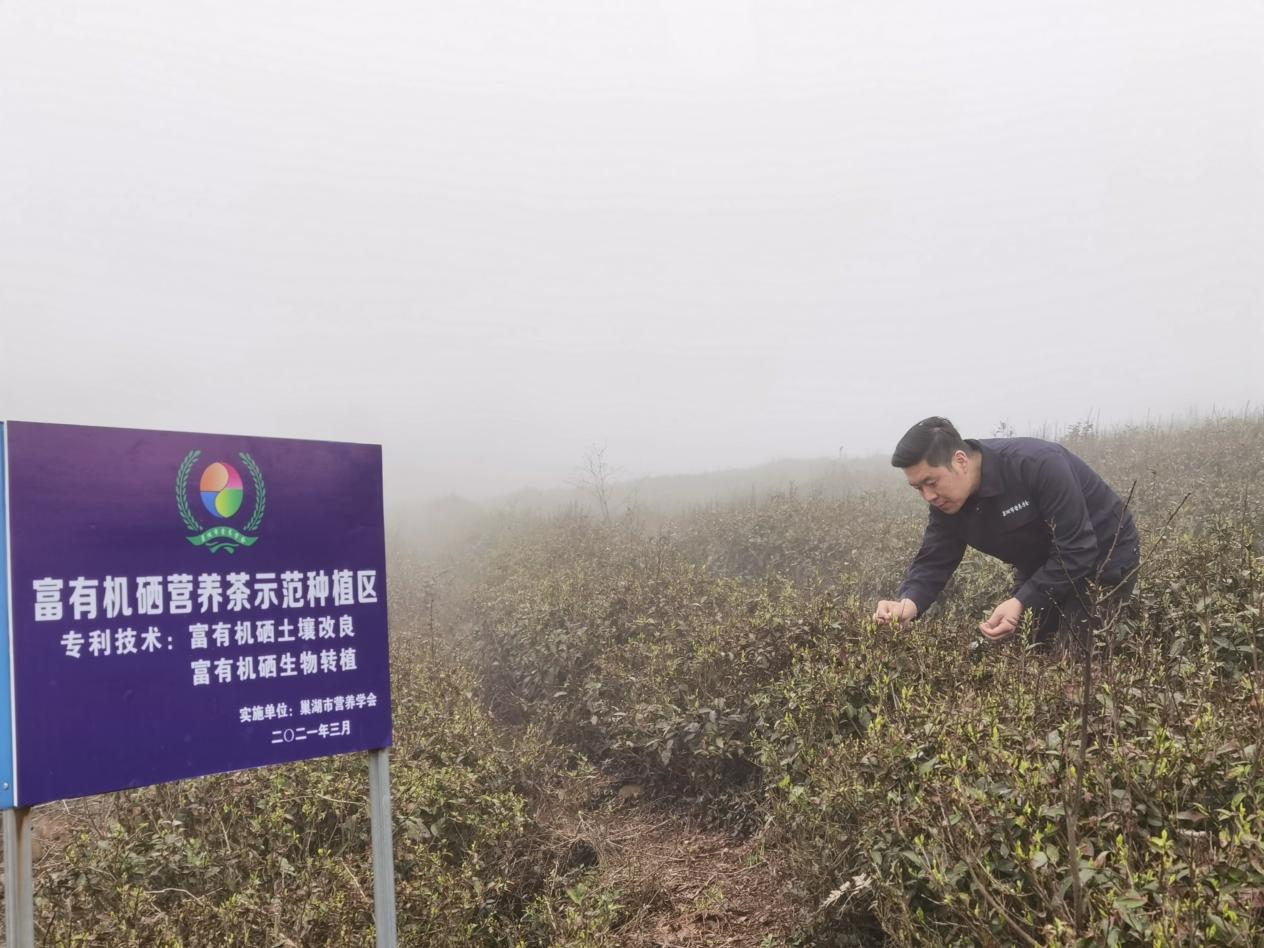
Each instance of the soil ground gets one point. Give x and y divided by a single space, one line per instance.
684 885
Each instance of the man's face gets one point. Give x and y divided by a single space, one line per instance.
947 488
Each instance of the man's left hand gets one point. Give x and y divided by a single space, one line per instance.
1003 621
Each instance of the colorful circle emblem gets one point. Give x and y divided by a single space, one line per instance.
222 492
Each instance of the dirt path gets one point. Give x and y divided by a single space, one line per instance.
684 886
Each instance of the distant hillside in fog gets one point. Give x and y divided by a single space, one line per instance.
453 517
670 493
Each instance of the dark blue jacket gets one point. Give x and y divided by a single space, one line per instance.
1039 508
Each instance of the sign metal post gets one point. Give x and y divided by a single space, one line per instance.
19 892
383 848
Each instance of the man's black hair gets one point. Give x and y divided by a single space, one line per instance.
933 440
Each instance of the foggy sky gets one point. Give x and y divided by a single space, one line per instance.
707 234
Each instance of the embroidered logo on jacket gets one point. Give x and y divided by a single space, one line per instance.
1014 509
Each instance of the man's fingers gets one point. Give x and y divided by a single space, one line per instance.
890 612
999 629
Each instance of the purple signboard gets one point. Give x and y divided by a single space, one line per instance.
185 604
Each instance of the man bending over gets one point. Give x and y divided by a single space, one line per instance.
1028 502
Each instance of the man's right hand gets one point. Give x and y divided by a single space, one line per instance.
890 612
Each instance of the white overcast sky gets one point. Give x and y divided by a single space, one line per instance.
708 234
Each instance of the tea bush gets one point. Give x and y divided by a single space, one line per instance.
921 787
281 856
933 793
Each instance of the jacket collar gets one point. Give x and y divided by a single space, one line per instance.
991 483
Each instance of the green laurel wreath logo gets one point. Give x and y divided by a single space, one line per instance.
220 538
182 491
261 493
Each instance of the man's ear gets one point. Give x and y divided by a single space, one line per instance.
960 461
